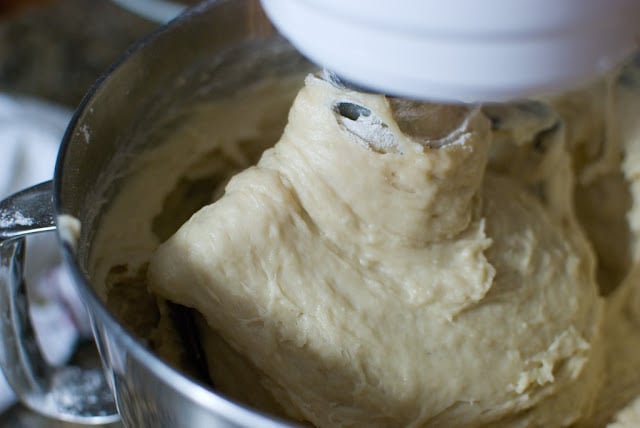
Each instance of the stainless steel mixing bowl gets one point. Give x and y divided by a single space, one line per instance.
211 51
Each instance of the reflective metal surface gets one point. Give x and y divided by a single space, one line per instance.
21 417
213 50
68 393
29 211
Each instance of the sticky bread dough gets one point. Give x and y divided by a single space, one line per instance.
379 286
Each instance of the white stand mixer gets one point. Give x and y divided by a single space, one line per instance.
462 50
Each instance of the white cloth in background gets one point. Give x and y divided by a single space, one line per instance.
30 134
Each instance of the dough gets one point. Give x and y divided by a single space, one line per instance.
548 163
375 273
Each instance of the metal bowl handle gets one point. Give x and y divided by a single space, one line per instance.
68 393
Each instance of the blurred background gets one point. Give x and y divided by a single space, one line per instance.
55 49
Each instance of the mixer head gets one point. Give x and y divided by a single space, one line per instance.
462 50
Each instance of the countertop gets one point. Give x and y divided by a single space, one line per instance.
56 50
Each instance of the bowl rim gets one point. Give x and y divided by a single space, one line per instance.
210 400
